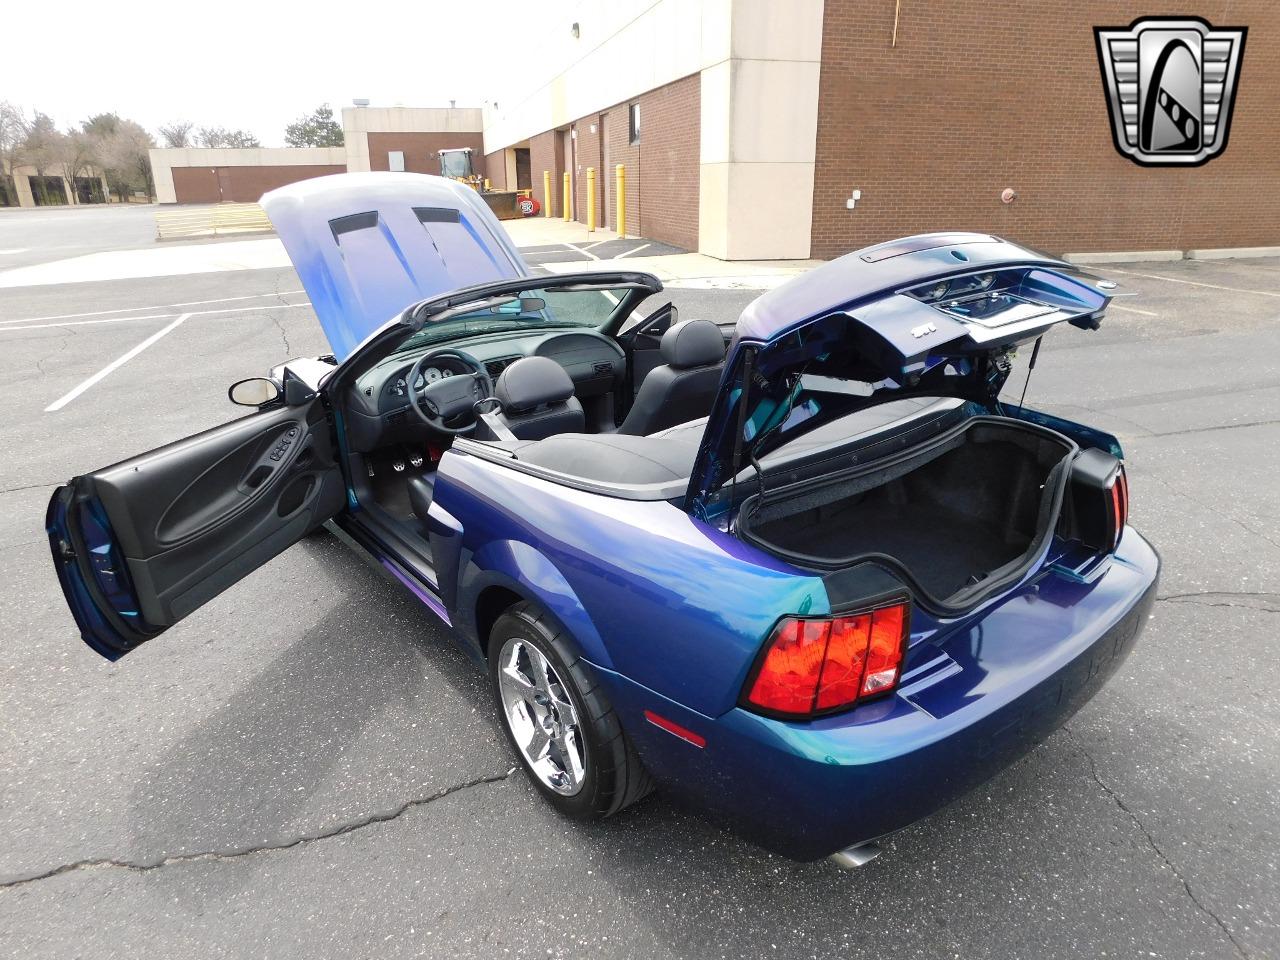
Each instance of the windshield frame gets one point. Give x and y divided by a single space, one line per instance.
630 287
485 315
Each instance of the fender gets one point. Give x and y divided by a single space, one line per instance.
526 571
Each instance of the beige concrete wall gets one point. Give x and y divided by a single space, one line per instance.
163 160
758 64
624 48
359 122
759 128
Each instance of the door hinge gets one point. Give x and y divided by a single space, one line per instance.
65 550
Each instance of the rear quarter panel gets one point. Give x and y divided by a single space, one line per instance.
643 588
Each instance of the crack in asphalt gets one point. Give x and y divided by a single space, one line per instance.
28 486
373 819
284 337
1221 426
1155 847
1213 508
1199 599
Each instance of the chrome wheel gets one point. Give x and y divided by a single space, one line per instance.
541 717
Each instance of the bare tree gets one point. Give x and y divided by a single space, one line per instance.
222 137
41 151
13 135
242 138
177 134
122 149
73 154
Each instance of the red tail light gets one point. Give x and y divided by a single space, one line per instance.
815 666
1120 503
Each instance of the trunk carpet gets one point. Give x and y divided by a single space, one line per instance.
941 548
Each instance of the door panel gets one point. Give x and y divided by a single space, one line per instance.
149 540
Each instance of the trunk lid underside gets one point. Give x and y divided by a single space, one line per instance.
937 315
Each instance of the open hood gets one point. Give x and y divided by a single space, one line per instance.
932 315
366 245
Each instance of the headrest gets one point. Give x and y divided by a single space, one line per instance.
531 382
692 343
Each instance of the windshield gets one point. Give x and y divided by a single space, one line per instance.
536 308
455 163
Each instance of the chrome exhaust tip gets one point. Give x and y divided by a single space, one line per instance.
859 855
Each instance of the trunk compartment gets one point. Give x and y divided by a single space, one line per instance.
956 517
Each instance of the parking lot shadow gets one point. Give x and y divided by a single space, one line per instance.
282 757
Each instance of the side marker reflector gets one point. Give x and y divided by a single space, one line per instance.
673 728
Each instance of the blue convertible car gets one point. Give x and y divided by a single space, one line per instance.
808 571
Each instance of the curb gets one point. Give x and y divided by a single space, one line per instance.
1124 256
1230 253
1158 256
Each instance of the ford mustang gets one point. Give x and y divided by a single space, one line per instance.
807 570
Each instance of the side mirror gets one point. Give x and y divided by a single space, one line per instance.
253 392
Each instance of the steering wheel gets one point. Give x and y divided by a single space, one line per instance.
449 397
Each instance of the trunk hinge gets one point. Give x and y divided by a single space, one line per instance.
995 374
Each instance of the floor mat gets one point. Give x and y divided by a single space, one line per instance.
391 492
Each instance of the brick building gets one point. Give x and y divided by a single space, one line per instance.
374 138
746 126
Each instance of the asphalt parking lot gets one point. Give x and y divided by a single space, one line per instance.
307 767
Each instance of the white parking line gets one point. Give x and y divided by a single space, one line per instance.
114 365
582 250
1145 313
1194 283
85 323
160 316
633 251
164 306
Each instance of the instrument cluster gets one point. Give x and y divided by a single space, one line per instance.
399 386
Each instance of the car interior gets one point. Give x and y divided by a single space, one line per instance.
548 378
566 383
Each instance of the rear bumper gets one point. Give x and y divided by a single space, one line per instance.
969 706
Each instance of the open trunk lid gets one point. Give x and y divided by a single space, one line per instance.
932 315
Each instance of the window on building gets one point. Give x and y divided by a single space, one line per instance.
633 116
395 161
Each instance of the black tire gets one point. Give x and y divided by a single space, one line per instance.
614 777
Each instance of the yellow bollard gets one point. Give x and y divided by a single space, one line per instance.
591 199
487 188
620 191
546 193
565 195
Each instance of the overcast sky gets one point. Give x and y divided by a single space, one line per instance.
260 65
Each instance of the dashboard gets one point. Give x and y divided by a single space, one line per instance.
379 405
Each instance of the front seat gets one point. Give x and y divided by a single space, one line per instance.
537 401
685 387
